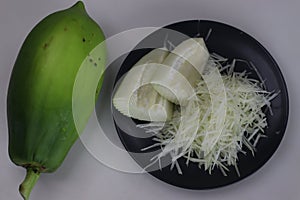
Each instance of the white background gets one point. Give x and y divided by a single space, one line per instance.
274 23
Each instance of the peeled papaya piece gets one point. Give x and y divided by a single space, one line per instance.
39 103
189 59
135 97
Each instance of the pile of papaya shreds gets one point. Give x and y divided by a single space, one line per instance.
198 108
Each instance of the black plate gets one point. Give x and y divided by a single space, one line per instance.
231 43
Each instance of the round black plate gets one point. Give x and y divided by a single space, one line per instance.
231 43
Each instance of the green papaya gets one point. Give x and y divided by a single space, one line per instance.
40 96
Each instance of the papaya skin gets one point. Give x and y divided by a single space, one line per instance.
39 101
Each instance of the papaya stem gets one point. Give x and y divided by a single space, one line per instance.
31 178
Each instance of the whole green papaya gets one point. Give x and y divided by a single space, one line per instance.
40 95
